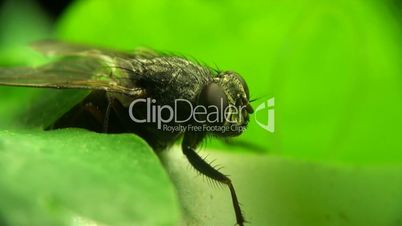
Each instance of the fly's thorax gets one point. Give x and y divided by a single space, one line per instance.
167 78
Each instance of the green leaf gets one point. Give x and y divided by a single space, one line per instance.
74 177
290 192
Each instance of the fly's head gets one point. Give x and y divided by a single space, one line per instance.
228 93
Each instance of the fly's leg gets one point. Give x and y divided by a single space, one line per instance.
190 143
94 111
107 113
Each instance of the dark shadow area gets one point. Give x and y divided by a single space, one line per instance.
54 8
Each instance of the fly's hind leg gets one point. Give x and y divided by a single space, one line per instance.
190 143
110 102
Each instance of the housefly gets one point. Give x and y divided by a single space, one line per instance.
138 92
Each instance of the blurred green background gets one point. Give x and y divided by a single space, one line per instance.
333 67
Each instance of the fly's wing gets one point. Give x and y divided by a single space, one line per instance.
96 70
58 48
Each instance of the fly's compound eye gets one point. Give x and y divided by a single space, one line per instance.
213 98
213 95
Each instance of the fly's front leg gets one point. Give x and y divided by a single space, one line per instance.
190 143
